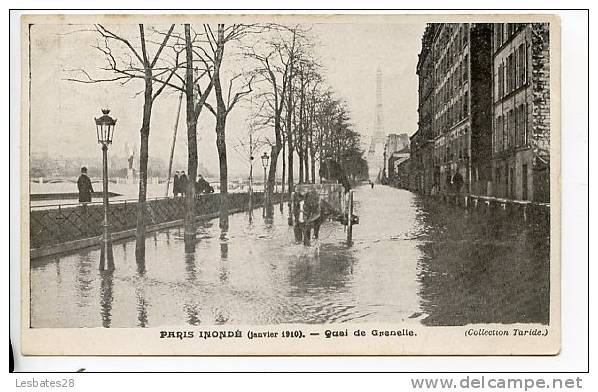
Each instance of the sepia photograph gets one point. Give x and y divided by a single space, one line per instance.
290 185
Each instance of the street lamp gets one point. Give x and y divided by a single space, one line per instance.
104 132
265 159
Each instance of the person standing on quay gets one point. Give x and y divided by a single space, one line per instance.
449 183
175 184
183 183
457 182
85 187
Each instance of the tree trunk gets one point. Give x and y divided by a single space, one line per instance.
143 158
192 159
306 162
289 130
300 130
221 146
289 137
313 167
192 156
300 154
284 173
274 151
289 165
221 113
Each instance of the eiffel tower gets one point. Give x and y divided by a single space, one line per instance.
375 155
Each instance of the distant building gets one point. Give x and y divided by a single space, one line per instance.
398 172
521 111
375 156
394 142
404 175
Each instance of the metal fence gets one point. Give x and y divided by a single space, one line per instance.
52 225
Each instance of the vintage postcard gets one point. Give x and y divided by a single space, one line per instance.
290 184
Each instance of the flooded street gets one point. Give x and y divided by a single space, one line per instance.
413 260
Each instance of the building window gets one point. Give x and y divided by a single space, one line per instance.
516 132
506 132
498 35
494 128
510 129
506 181
498 132
497 175
510 73
520 125
522 60
512 183
468 138
524 123
466 38
501 81
509 29
524 182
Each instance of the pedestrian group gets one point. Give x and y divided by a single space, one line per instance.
179 186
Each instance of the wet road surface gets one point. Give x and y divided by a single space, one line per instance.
413 261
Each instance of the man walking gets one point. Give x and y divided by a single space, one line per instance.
85 187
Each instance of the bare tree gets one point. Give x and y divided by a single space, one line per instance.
307 82
246 149
186 76
217 42
195 103
292 57
276 63
137 64
272 68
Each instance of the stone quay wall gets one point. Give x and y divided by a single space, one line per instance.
51 227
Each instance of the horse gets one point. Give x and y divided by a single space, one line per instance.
310 212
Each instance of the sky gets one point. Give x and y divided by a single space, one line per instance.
62 111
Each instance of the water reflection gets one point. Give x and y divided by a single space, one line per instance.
477 271
85 278
320 268
106 296
412 261
142 302
142 307
190 307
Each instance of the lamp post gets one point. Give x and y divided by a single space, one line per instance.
251 158
265 159
105 131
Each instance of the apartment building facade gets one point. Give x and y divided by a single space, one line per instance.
455 107
521 111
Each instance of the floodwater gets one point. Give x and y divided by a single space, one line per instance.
413 260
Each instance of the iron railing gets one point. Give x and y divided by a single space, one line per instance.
55 224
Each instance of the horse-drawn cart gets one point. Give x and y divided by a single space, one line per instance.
312 204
